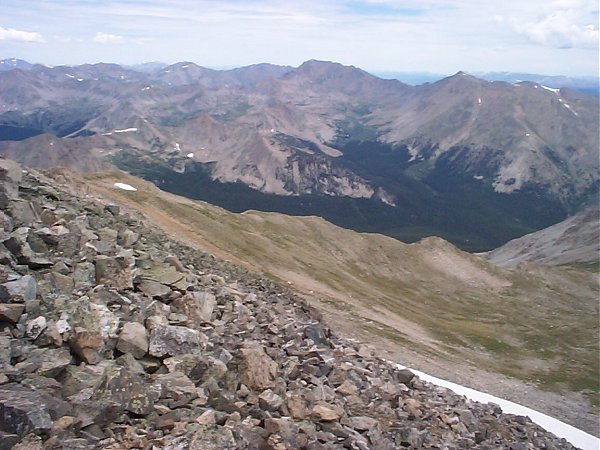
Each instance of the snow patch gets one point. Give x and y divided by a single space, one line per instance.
478 177
272 130
569 108
79 79
556 91
185 67
177 147
190 155
125 187
575 436
125 130
69 75
479 100
147 88
527 134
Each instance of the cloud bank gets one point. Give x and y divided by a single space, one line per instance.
10 34
107 38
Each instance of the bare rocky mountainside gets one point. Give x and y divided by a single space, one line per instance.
320 139
115 336
574 240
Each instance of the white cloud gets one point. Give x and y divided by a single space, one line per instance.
10 34
107 38
562 28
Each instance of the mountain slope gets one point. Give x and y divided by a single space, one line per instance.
374 154
452 308
574 240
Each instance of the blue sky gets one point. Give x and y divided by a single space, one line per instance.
556 37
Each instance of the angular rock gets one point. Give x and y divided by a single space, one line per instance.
113 271
154 289
326 412
60 284
22 412
361 423
11 312
35 327
24 213
269 400
127 389
133 339
170 340
297 405
88 345
287 432
198 306
257 369
177 389
46 362
23 289
163 274
10 177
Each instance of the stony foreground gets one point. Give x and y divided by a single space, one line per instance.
114 337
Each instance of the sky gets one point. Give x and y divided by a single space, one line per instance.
553 37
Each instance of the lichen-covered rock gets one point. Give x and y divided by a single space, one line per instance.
113 271
127 389
170 340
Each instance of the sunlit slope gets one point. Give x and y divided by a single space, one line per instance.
536 323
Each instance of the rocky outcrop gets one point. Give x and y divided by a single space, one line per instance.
113 336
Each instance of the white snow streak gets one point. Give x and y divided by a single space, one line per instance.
556 91
125 130
177 146
575 436
570 109
125 187
190 155
69 75
479 100
478 177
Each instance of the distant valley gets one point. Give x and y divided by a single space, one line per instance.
476 162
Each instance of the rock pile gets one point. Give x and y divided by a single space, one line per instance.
114 337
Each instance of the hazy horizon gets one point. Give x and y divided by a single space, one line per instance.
386 74
557 37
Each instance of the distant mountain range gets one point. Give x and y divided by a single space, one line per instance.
588 85
474 161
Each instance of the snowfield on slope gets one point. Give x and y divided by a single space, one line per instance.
578 438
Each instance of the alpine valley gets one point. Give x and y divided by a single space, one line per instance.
475 162
194 258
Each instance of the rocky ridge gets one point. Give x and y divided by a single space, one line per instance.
113 336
